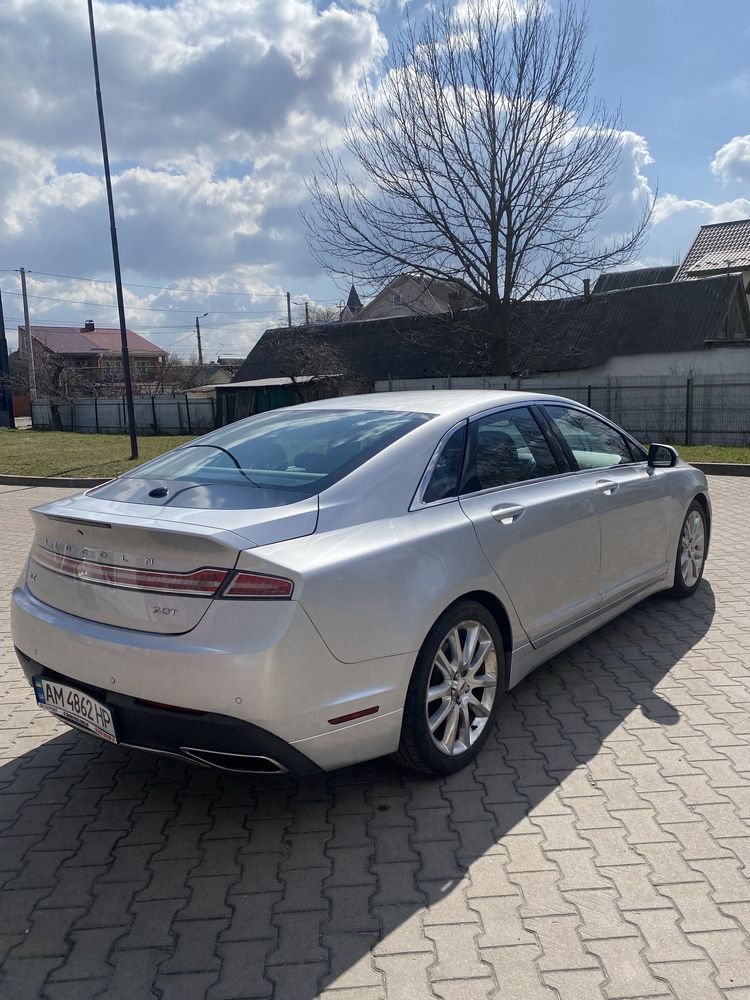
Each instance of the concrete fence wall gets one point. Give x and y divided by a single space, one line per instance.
167 414
705 409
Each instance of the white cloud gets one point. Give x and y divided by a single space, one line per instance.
214 108
732 161
630 189
676 219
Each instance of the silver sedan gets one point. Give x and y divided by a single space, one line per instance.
354 577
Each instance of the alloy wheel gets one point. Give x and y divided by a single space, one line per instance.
462 687
692 548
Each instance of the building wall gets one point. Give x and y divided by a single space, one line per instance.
717 361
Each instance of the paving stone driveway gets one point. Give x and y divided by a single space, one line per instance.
599 848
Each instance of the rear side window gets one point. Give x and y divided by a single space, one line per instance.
506 447
444 479
595 445
302 451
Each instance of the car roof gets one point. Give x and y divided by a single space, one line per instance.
435 401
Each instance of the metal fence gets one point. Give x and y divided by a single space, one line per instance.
164 414
703 409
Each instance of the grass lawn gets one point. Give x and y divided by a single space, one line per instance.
713 453
57 453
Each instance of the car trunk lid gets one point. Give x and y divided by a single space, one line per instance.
152 569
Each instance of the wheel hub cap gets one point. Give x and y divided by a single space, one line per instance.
462 687
692 548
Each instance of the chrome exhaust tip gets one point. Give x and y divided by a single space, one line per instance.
239 763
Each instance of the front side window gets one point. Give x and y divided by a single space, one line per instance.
595 445
300 451
506 447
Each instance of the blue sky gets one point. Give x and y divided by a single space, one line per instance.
682 73
214 111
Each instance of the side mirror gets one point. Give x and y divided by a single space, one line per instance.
662 456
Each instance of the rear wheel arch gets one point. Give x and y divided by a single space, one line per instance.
496 608
702 499
419 747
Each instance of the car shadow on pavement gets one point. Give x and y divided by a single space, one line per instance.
127 875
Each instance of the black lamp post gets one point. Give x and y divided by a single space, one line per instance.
115 250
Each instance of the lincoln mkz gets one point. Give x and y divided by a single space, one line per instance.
336 581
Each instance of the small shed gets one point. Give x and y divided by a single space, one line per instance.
244 399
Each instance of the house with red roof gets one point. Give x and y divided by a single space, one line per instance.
90 357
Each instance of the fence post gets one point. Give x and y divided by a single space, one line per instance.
213 411
124 418
153 411
689 411
588 396
96 413
187 414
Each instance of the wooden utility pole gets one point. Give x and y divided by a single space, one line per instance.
115 249
289 309
307 313
32 366
198 335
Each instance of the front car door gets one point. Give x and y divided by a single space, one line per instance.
632 499
537 523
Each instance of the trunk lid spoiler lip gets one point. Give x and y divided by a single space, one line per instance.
236 528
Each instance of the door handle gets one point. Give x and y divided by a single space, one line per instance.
607 486
507 513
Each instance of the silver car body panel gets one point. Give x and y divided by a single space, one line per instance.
373 568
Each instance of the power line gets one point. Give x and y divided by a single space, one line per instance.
163 288
63 324
170 288
161 309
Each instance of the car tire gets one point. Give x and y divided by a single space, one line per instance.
459 674
690 559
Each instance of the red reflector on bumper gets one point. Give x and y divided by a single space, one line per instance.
170 708
354 715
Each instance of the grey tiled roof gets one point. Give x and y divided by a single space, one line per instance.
610 281
558 335
714 246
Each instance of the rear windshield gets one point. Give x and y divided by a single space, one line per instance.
301 451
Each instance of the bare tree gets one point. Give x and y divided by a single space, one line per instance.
316 314
480 155
315 367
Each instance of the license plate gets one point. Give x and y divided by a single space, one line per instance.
75 707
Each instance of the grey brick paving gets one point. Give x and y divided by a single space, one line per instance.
598 850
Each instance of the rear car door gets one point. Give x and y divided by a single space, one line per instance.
537 524
632 500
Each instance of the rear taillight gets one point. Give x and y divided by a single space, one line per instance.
197 583
205 582
245 584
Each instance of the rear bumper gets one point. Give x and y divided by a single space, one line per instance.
219 740
259 675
